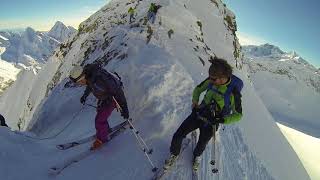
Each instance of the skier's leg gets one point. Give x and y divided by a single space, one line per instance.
149 16
206 133
188 125
153 17
101 122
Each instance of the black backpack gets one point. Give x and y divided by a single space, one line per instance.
94 70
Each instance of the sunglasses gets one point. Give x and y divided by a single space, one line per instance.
213 78
76 79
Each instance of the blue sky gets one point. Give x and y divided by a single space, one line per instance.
42 14
289 24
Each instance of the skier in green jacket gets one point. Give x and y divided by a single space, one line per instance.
131 13
152 12
221 104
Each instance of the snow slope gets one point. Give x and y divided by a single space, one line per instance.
292 99
8 74
8 71
307 148
159 77
289 87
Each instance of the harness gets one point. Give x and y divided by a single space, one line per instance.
235 83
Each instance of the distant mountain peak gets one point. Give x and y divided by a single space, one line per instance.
30 31
263 50
30 46
271 52
60 31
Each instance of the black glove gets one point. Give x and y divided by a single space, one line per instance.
216 120
83 100
125 114
194 110
219 120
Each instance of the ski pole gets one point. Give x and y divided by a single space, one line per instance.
54 136
213 151
138 138
136 132
145 151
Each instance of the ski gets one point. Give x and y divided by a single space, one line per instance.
194 144
75 143
161 172
72 144
57 169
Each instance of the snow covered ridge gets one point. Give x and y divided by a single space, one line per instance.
28 50
31 47
270 58
8 74
3 38
159 70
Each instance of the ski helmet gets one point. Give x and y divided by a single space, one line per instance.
76 73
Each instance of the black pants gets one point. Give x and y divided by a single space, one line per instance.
190 124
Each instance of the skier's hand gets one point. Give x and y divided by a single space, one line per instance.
216 120
125 114
219 120
83 100
194 105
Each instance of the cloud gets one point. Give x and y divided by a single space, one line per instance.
245 39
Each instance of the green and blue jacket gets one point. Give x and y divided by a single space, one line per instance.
227 97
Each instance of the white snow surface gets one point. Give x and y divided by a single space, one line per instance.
159 78
3 38
8 73
289 88
307 148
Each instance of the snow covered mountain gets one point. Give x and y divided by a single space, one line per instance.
263 51
28 50
288 85
8 74
8 71
31 47
160 64
61 32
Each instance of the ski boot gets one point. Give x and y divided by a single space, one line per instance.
169 162
196 162
96 145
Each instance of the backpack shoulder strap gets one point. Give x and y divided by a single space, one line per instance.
236 83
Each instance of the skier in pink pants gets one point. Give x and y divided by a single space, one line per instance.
105 87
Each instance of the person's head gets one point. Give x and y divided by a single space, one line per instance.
220 71
77 75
